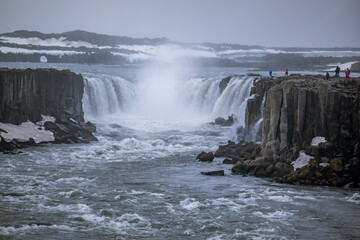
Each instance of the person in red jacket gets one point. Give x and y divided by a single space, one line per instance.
286 72
347 73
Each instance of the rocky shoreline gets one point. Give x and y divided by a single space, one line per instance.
310 132
41 106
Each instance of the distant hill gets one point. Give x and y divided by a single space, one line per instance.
87 47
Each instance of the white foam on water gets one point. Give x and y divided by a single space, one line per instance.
190 204
31 228
125 224
274 216
355 198
74 208
228 203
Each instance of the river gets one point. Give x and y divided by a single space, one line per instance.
141 179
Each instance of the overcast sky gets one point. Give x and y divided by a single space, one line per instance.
276 23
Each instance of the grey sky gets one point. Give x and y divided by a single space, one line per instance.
277 23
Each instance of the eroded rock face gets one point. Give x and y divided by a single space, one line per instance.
26 94
303 107
299 108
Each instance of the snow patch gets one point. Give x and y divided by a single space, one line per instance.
343 66
317 140
25 131
28 51
301 161
51 42
324 164
162 52
46 118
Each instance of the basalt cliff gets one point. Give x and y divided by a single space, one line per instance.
46 100
310 131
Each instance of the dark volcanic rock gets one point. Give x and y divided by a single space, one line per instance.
205 157
223 83
239 150
214 173
70 132
299 108
222 122
28 94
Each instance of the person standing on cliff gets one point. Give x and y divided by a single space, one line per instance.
346 74
270 74
337 71
348 70
286 72
327 76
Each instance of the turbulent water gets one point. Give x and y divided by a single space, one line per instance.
141 180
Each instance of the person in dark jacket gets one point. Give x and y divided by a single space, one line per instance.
337 71
327 76
270 74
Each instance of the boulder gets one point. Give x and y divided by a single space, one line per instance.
205 157
214 173
224 122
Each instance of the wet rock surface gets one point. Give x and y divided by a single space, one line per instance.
224 122
214 173
205 157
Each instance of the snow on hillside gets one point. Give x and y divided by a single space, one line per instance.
29 51
51 42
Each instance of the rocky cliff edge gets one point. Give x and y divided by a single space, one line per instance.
41 105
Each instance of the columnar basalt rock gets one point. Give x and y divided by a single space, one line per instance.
26 95
307 113
301 108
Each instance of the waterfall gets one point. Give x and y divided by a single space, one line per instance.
107 94
233 99
201 94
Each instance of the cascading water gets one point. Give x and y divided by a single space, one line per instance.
107 94
233 99
163 94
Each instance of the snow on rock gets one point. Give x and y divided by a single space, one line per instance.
46 118
25 131
317 140
301 161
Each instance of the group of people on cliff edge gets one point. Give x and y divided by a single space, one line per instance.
286 73
337 73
